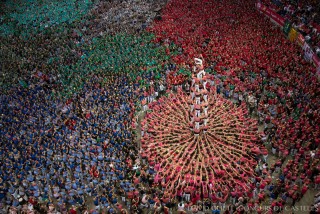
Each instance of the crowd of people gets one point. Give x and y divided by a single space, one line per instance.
253 62
65 150
67 132
47 54
171 141
303 16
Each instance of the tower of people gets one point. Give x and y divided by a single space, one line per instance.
200 138
199 99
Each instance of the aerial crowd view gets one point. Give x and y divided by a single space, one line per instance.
149 106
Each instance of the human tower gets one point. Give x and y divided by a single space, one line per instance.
201 140
199 99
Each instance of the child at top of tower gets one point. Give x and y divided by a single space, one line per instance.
199 69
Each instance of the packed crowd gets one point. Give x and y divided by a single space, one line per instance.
24 18
303 16
58 155
65 150
67 44
65 131
261 67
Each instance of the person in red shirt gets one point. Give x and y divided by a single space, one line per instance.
73 210
262 185
233 197
317 182
223 200
32 201
261 196
304 189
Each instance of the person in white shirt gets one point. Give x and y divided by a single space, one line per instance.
205 97
144 201
187 87
201 74
198 102
191 108
205 110
181 207
162 88
198 113
312 154
240 98
197 125
196 87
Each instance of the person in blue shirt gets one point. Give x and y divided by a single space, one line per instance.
96 202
